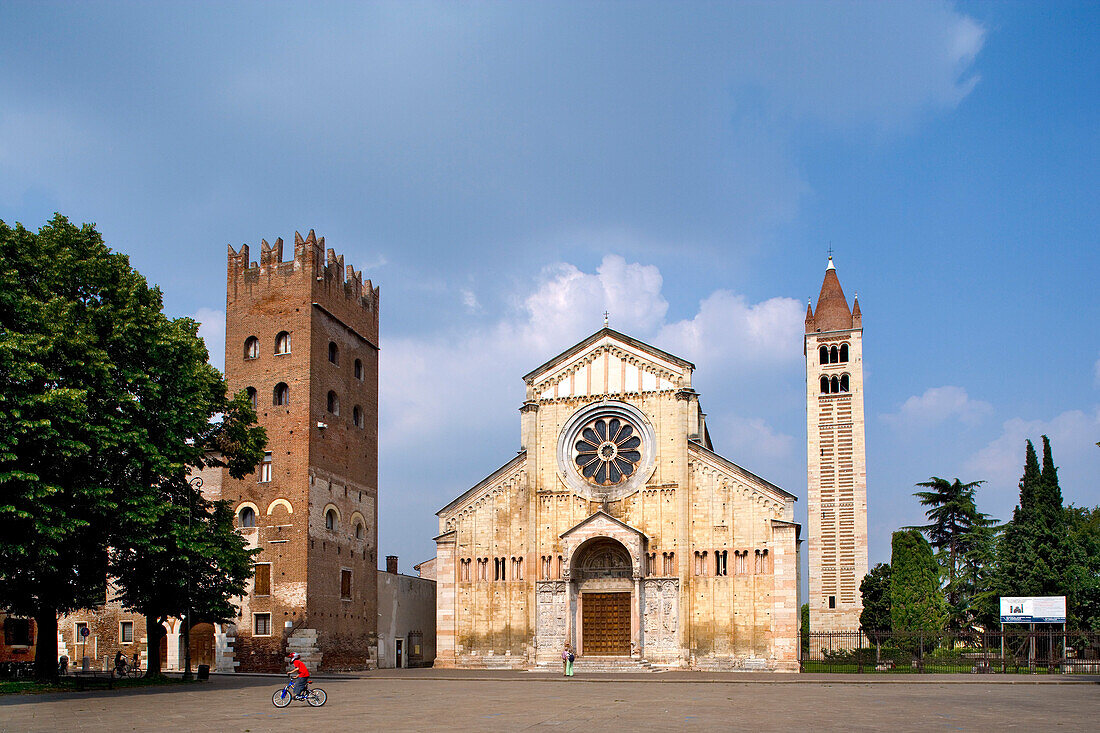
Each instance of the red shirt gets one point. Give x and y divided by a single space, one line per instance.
303 671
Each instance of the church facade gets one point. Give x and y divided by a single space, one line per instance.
618 530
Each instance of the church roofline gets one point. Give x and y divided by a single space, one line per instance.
601 513
520 458
572 351
741 471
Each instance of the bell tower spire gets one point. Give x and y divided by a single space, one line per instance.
836 466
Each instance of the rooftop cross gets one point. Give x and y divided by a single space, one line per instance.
605 314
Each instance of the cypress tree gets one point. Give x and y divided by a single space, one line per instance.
916 599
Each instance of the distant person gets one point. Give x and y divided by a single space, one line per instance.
567 660
120 663
300 675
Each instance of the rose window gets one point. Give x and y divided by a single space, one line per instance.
607 451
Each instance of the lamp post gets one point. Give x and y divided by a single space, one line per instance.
197 484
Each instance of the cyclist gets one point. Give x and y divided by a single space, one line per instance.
300 675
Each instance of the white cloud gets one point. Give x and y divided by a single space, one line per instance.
469 300
1073 435
212 331
936 406
752 440
472 378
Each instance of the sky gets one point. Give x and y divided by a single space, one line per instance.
508 171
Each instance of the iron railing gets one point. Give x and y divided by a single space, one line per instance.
1045 651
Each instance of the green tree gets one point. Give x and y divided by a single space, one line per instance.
955 532
106 404
804 615
1083 527
875 591
916 599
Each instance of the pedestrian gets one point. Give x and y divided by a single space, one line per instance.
567 658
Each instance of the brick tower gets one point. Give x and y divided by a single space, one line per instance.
836 458
302 338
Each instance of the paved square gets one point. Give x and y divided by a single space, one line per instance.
427 700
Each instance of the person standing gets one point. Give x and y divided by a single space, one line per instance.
567 658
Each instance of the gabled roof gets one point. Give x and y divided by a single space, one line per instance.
738 470
596 515
605 332
506 468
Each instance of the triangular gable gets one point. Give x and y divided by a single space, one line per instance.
609 362
699 452
598 518
486 483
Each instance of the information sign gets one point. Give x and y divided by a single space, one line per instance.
1033 610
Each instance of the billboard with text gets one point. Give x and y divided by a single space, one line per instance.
1033 609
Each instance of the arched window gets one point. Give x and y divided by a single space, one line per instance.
834 385
251 392
357 416
358 530
834 356
251 347
331 522
246 517
281 394
824 385
843 382
333 353
333 403
823 353
282 343
844 353
359 370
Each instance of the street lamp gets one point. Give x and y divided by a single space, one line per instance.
197 484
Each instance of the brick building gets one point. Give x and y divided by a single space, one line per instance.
619 530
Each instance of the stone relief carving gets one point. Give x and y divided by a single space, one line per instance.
662 613
551 603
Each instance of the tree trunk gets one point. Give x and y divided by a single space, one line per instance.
45 645
153 633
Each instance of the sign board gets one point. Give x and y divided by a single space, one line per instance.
84 631
1033 610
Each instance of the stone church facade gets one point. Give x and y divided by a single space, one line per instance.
619 530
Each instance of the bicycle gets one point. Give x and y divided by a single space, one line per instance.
315 696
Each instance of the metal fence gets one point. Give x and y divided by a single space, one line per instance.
1046 651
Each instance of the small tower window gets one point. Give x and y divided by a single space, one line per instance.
282 343
843 382
281 395
333 353
834 356
844 353
251 347
331 522
265 468
357 416
251 392
823 355
824 385
246 517
834 385
358 530
333 403
359 370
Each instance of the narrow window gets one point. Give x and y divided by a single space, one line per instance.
251 392
843 382
126 632
824 385
464 569
333 353
262 580
282 343
719 562
330 520
261 624
832 601
357 416
251 347
358 370
265 468
333 403
834 356
281 395
558 567
345 585
823 355
358 530
844 353
834 385
246 517
79 631
742 561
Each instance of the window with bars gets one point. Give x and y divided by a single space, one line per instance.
126 632
261 624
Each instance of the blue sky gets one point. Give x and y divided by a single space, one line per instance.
508 171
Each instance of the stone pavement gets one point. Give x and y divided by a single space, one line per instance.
418 700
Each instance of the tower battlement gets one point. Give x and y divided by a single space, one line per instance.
326 270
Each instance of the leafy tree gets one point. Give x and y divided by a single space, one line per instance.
916 599
875 590
106 405
804 614
1083 527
